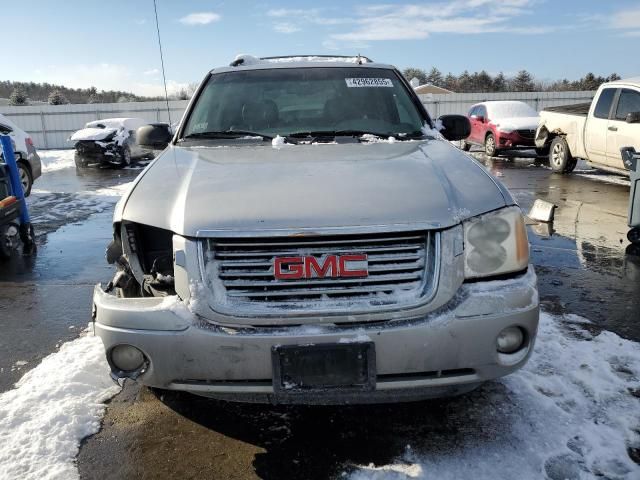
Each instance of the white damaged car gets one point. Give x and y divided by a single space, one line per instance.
111 141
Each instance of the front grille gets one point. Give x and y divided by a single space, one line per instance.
527 133
401 271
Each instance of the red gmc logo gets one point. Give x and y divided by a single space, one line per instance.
330 266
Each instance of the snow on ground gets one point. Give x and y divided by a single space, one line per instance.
51 409
606 178
571 413
56 159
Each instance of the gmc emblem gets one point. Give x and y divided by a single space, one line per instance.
330 266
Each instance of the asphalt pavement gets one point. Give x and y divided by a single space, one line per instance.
583 261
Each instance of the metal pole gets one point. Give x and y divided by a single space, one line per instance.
44 129
26 231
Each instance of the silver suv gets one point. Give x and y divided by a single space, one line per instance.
309 235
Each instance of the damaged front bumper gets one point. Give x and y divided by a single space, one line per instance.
447 352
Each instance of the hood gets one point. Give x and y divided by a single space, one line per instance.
314 188
92 134
518 123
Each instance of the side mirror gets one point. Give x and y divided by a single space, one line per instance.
480 118
455 127
633 117
155 136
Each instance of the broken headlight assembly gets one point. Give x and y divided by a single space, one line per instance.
495 244
144 257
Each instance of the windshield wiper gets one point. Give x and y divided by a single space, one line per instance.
227 134
334 133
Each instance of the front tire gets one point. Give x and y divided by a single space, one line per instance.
81 162
25 178
466 146
633 236
125 157
560 158
490 148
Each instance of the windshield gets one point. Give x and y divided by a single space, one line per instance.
298 100
510 110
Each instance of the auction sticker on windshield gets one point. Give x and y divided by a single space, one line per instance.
368 82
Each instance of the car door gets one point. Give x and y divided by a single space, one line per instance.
473 113
620 133
595 134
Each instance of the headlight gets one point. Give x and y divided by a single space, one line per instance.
495 244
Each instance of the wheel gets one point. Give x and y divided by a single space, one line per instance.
25 178
633 235
560 157
81 162
9 238
125 157
465 146
490 145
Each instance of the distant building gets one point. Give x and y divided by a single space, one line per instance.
426 89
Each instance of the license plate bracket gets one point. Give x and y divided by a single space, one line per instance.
308 368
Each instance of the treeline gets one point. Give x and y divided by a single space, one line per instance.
484 82
23 93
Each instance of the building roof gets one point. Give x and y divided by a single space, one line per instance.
427 88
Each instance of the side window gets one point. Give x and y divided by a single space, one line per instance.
604 103
473 111
628 102
482 112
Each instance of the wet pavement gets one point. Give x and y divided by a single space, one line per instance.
584 265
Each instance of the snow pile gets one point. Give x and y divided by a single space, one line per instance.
52 408
53 160
572 413
279 141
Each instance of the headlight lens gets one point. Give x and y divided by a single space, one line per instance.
495 244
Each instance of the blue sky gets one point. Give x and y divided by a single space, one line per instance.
112 45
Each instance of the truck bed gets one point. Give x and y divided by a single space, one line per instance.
580 109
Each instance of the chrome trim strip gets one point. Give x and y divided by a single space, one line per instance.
314 231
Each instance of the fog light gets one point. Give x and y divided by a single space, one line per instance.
127 358
510 340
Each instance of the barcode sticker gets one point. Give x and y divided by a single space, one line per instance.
368 82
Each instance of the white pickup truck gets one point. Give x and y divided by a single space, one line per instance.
594 132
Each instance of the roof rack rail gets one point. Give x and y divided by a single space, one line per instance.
362 58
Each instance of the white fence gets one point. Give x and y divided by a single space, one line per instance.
460 103
51 125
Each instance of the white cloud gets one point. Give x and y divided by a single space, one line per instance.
285 27
415 22
105 76
200 18
153 71
628 21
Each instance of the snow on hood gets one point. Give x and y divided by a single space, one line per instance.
406 185
92 134
128 123
518 123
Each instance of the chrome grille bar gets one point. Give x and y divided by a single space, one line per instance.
401 271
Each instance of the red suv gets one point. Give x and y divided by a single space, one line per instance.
502 125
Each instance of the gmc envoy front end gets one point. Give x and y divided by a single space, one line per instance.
310 235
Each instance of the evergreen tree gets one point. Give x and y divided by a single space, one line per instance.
18 97
523 82
613 77
499 83
57 98
410 73
435 77
450 82
484 82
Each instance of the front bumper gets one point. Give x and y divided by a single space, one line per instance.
447 352
514 140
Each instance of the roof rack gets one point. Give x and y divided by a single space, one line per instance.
250 59
283 57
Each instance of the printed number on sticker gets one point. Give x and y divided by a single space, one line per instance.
368 82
